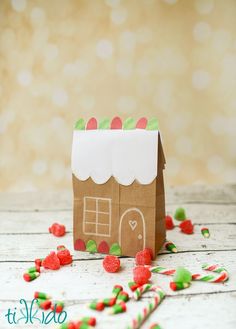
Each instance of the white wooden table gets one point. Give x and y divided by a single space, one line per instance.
24 222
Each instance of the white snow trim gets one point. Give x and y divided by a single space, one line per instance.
127 155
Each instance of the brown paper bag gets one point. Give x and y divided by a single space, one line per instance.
117 219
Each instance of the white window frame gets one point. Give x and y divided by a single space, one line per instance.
96 223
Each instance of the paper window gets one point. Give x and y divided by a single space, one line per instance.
97 216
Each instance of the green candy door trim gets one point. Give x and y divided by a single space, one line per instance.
80 124
115 250
91 246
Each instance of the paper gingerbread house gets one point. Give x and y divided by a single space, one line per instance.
119 204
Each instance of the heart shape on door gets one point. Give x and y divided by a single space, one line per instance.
133 224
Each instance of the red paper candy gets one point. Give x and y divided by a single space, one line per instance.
186 226
57 229
103 247
111 263
79 245
169 223
143 257
51 262
141 274
64 255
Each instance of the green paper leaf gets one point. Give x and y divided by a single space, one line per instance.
104 124
91 246
129 124
115 250
182 275
152 124
80 125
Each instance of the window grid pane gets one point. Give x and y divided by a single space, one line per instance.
106 204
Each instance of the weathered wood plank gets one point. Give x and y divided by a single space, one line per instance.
86 280
62 200
195 312
27 247
39 221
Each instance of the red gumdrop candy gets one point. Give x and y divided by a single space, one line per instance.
143 257
169 223
64 256
186 226
51 262
57 229
141 274
111 263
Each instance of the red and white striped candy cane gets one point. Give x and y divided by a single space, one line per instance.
221 277
144 288
147 310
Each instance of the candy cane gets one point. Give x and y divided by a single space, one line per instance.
147 310
144 288
222 277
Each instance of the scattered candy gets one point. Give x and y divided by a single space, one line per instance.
64 255
89 320
170 247
141 274
116 290
147 310
179 285
33 269
57 229
143 257
122 297
41 295
82 325
169 223
51 262
68 325
118 308
97 306
205 232
221 277
155 326
30 276
223 274
162 270
45 304
111 263
182 275
180 214
133 285
186 226
141 290
58 307
38 262
108 301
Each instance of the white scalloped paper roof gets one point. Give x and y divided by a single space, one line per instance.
127 155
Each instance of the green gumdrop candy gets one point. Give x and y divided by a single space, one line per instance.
80 124
129 124
115 250
180 214
182 275
152 124
91 246
104 124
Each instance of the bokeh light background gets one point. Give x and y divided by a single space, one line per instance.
65 59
